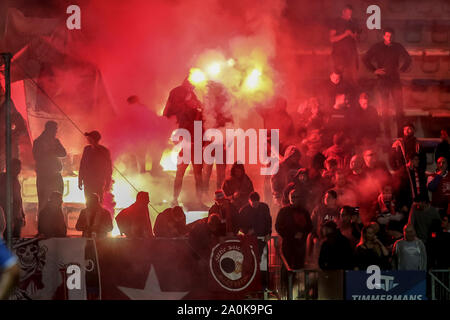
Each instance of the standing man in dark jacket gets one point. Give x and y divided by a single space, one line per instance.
343 36
51 218
47 150
293 224
387 56
95 167
186 108
18 215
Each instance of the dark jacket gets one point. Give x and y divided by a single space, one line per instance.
258 219
134 221
47 151
184 105
95 166
17 206
99 222
167 227
409 146
51 223
242 186
290 221
388 57
229 217
286 173
336 253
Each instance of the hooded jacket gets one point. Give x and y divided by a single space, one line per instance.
243 186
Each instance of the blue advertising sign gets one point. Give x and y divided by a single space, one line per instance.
385 285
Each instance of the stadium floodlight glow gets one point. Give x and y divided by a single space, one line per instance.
253 79
214 69
197 77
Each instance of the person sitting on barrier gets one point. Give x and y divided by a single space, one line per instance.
336 252
51 222
227 212
205 234
134 221
293 224
370 251
409 253
238 186
94 221
171 223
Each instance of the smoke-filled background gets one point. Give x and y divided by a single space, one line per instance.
257 50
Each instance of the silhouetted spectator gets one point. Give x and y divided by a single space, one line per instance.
94 221
18 129
51 223
409 253
424 218
228 213
47 150
346 195
204 235
336 252
288 167
276 117
411 182
184 105
356 173
238 186
387 55
171 223
95 167
333 86
438 248
339 118
350 225
339 150
369 121
255 220
406 147
343 35
303 185
439 185
134 221
443 148
388 213
371 251
18 215
293 225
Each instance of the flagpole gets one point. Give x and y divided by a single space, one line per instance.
8 150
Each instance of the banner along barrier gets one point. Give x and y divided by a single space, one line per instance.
391 285
137 269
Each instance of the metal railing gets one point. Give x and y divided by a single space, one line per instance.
303 281
440 284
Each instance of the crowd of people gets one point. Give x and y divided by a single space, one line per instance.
335 201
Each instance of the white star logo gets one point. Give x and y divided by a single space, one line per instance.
152 290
